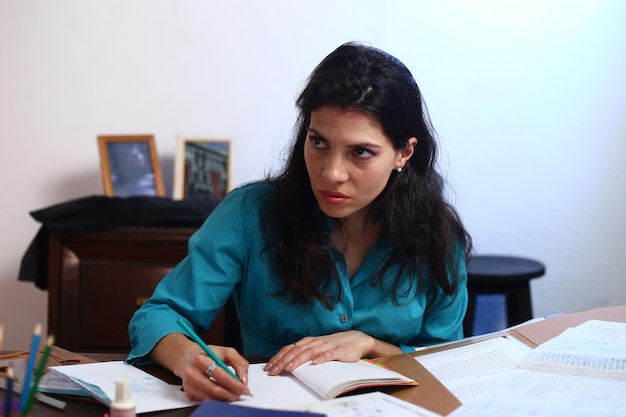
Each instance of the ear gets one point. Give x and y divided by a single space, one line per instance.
405 154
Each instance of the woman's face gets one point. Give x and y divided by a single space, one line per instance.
349 160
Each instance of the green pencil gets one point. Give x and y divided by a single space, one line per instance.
204 347
40 370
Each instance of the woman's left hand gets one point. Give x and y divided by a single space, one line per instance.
349 346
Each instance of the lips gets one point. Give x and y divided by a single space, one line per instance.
333 197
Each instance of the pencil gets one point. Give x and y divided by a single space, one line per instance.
40 370
204 347
8 398
30 366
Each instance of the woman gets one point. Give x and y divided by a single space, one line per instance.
350 251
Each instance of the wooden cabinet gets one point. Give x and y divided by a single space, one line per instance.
98 280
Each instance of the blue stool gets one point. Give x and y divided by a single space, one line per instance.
507 275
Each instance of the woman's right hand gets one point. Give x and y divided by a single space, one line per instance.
188 361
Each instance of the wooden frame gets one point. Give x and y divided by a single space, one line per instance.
129 166
202 169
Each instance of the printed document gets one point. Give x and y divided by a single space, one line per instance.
581 372
469 370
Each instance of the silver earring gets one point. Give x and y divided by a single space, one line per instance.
399 170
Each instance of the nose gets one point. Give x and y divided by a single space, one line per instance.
335 169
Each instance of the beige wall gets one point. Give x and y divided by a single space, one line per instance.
528 98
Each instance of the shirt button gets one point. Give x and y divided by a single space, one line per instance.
344 318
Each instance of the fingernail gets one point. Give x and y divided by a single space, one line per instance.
268 366
289 367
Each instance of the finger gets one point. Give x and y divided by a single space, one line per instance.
278 357
232 358
199 387
239 364
224 378
320 353
277 363
231 385
328 355
296 356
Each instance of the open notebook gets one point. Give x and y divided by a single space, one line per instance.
332 379
309 383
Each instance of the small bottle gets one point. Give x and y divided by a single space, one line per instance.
123 406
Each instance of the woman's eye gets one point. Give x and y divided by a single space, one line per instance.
316 142
363 153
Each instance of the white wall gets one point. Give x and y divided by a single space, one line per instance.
528 98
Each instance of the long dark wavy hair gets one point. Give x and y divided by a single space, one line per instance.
424 230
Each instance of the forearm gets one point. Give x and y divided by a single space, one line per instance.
174 352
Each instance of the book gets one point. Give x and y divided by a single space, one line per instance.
310 383
223 409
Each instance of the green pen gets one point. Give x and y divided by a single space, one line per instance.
204 347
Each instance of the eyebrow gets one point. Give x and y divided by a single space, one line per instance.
355 145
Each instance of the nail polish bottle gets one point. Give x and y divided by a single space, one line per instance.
123 406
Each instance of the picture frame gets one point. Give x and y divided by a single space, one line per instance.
202 169
129 166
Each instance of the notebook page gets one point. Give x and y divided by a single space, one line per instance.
595 348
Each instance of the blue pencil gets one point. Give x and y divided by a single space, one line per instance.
8 399
30 366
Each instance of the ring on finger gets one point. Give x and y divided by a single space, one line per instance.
210 370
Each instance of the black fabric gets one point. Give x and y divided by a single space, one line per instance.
96 213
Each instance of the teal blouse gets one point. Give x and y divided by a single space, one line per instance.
226 257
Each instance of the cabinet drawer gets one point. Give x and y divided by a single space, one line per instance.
98 280
109 295
108 298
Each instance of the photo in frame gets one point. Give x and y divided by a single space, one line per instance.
129 166
202 169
